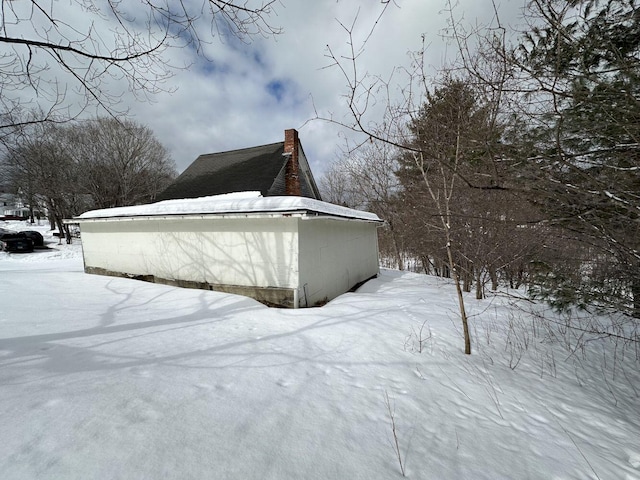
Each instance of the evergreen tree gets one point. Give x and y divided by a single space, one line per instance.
460 161
585 60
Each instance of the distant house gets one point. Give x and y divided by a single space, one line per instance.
279 243
274 169
13 208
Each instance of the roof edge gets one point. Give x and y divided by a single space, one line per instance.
236 203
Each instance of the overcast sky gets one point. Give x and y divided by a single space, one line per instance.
248 94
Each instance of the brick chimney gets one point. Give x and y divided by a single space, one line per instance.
292 172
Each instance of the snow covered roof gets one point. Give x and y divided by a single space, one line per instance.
231 203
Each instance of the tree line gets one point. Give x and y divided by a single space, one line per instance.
70 168
518 165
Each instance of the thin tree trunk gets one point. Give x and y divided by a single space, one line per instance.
493 274
463 312
443 204
399 258
479 286
466 280
60 228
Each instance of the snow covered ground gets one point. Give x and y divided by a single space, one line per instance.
109 378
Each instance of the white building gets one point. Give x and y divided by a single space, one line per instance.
283 250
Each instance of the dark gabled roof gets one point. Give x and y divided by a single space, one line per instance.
247 169
261 169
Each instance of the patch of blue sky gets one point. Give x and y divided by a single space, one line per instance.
283 91
278 89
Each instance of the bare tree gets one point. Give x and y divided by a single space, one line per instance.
447 144
456 151
336 185
92 164
121 162
54 50
40 164
365 178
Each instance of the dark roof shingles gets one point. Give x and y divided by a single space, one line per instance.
248 169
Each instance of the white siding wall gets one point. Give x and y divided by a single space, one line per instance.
320 257
247 251
334 256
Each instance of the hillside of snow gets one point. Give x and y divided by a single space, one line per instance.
109 378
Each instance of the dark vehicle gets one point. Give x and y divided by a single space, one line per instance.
36 238
15 242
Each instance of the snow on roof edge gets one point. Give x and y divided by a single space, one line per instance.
238 202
